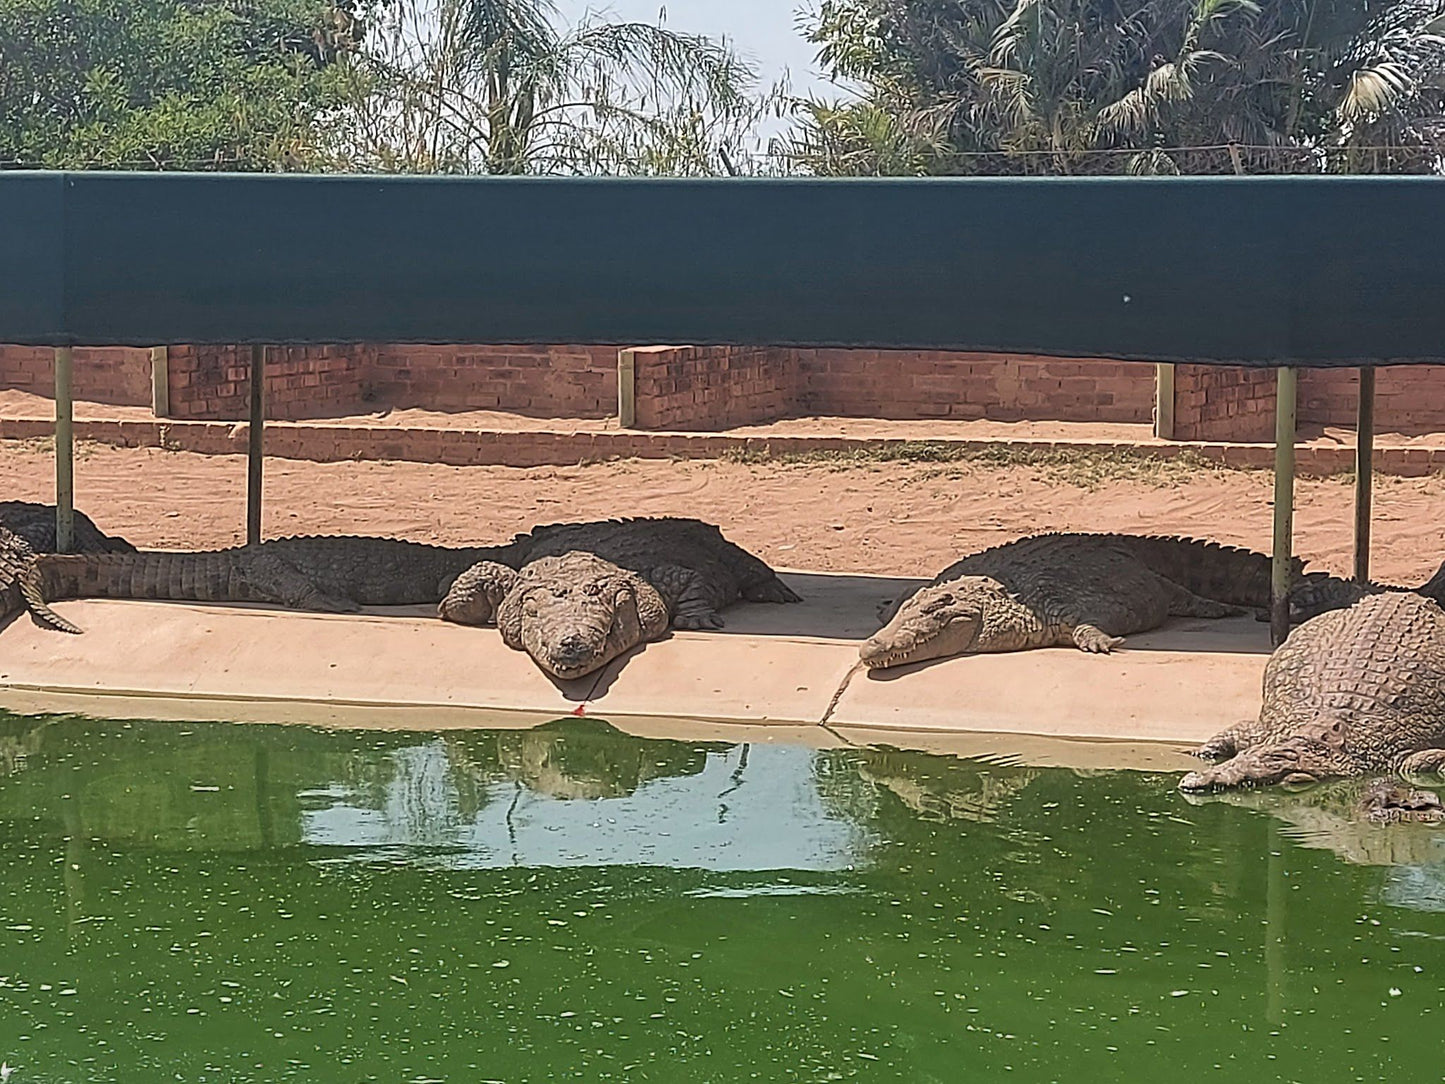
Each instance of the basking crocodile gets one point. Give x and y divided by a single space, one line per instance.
28 528
1318 593
575 596
1089 590
1351 691
20 584
36 524
334 573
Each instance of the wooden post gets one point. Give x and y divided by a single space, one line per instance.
1364 471
627 388
1286 397
1164 400
64 450
161 381
257 435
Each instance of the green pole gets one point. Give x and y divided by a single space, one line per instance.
1364 471
1286 397
253 448
64 451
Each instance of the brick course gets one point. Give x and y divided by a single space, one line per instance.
1213 402
707 388
907 384
713 387
117 375
538 381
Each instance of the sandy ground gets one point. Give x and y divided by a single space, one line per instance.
15 403
885 518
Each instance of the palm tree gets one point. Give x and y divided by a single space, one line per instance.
1145 86
496 86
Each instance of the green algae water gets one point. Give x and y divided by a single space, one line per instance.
215 903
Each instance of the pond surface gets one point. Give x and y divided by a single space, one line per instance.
245 903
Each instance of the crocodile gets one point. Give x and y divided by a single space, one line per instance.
1365 820
575 596
1089 590
1318 593
329 573
36 524
1349 692
20 584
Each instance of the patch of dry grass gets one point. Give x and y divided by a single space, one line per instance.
1083 468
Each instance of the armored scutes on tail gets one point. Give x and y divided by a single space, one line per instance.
1349 692
588 592
1319 593
1089 590
20 584
334 573
242 574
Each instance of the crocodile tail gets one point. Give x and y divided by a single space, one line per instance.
196 577
1228 574
19 573
1434 587
29 580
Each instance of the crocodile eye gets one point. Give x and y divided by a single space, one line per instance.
1298 780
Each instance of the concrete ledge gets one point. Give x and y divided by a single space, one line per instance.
784 672
327 443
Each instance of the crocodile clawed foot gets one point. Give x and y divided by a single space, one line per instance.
1095 640
709 620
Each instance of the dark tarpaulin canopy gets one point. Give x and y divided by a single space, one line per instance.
1253 271
1240 271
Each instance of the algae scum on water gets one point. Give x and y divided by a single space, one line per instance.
209 902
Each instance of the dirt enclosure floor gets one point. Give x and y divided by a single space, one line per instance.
846 515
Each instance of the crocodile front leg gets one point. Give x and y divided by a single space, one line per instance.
1233 740
1093 639
1424 762
476 594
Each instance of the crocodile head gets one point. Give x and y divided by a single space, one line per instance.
938 620
575 613
1312 752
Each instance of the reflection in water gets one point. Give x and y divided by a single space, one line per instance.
257 903
1329 816
581 793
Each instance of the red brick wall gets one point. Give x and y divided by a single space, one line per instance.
119 375
1408 398
903 384
713 387
212 383
542 381
1214 402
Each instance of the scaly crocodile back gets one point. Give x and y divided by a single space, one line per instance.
1228 574
1379 666
376 571
20 584
640 544
36 524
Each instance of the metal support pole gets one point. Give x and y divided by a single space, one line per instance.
1364 471
1286 397
161 381
627 389
64 451
253 451
1164 400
